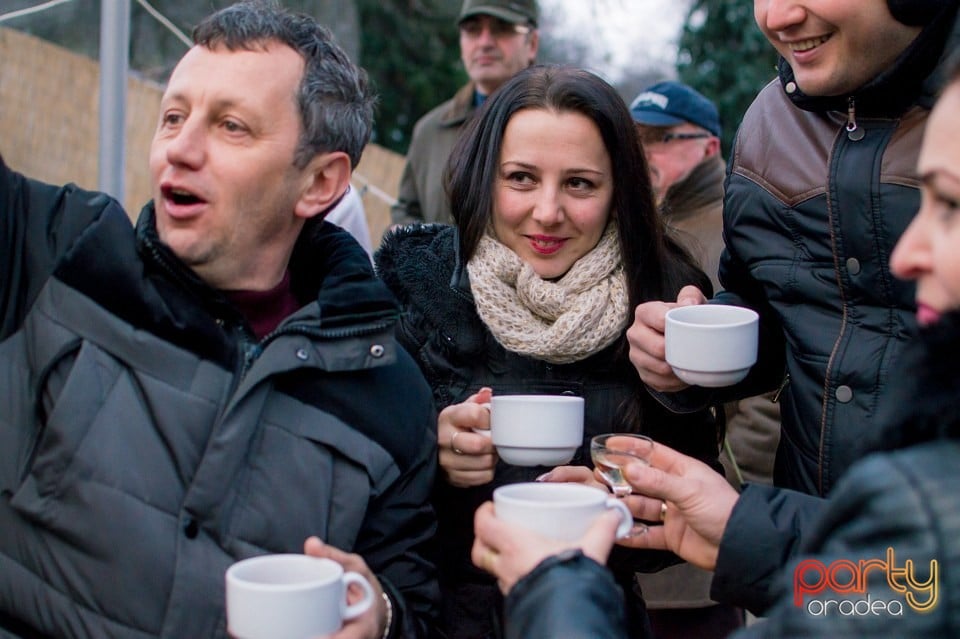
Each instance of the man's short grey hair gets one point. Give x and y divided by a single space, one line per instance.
335 101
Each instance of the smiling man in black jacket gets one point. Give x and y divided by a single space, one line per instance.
820 186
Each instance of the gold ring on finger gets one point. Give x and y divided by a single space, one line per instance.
489 556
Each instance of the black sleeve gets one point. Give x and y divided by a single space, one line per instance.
566 595
898 511
765 531
38 223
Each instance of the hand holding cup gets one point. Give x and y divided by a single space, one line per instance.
467 457
510 551
711 344
646 339
536 430
291 596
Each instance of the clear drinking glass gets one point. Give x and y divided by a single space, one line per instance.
612 451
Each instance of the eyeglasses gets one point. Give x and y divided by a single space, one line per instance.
650 138
473 28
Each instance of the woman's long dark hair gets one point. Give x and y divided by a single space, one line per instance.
656 267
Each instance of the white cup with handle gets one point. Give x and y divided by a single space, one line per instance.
711 345
561 511
291 596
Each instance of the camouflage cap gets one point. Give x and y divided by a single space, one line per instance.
513 11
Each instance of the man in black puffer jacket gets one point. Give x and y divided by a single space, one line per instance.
820 186
221 381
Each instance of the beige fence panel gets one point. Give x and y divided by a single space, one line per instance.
49 100
377 178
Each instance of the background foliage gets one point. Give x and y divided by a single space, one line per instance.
411 51
725 56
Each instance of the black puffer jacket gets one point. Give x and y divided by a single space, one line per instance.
812 213
567 595
812 217
147 440
458 355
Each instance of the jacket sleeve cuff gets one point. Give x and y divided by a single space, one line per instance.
566 595
764 532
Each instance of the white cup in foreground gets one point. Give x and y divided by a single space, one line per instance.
558 511
291 596
536 430
711 344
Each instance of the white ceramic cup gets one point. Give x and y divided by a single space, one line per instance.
536 430
558 511
711 344
291 596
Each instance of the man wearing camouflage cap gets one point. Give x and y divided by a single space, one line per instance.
498 39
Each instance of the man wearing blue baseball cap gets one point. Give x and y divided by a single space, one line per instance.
680 130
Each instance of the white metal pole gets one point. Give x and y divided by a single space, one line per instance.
114 62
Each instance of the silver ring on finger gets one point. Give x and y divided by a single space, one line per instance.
453 443
663 511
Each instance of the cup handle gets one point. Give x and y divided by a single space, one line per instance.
483 431
355 610
626 525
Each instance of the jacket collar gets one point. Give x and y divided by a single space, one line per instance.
461 106
914 78
327 266
421 264
703 187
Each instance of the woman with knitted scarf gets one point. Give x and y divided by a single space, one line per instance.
882 558
556 240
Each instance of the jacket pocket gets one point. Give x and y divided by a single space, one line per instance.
308 473
68 396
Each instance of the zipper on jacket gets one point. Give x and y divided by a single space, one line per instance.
854 132
251 351
328 333
783 387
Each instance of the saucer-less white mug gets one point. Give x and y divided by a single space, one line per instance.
290 596
711 344
536 430
561 511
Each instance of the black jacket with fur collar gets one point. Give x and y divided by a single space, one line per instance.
458 355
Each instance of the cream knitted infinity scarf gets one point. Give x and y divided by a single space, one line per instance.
559 322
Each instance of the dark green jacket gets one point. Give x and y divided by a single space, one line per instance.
421 196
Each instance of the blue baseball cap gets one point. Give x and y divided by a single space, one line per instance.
673 103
